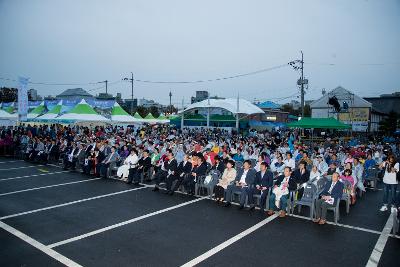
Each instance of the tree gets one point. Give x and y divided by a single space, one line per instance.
154 110
8 94
389 124
142 111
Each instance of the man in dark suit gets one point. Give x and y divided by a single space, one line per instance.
198 172
301 175
331 194
285 183
244 183
173 173
162 174
54 150
105 164
263 182
70 157
184 169
144 165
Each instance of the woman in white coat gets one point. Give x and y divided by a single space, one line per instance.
129 162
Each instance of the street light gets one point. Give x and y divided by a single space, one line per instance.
170 103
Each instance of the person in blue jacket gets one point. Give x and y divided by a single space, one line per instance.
331 194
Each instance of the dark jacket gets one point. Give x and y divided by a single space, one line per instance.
266 180
173 167
250 177
292 183
220 167
336 193
300 178
145 163
200 170
186 169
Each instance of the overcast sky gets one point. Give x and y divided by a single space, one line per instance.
86 41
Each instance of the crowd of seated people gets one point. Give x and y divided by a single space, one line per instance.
259 165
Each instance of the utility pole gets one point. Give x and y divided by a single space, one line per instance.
302 84
132 93
170 102
301 81
106 86
131 80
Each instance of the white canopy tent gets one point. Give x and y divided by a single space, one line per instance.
82 112
236 106
118 114
7 119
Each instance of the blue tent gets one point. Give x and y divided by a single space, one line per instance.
269 105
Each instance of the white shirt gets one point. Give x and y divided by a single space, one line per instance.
390 177
290 163
331 188
131 159
243 178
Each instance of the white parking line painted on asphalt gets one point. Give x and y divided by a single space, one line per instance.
48 186
76 238
33 175
229 242
10 161
380 244
70 203
341 225
24 167
50 252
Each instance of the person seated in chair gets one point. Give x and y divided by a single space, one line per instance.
197 173
184 169
263 182
301 176
39 150
162 173
145 165
228 176
70 157
331 194
173 173
281 192
53 150
244 183
332 169
218 164
105 164
79 158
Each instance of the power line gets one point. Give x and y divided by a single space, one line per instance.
64 84
351 64
7 79
103 86
215 79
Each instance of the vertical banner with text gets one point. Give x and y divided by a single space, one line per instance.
23 98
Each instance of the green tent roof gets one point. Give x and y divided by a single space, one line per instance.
319 123
82 108
149 117
56 109
10 109
118 110
39 109
137 116
161 117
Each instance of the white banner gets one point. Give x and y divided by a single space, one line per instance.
23 98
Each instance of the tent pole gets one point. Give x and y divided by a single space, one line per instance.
237 113
208 117
182 120
237 121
